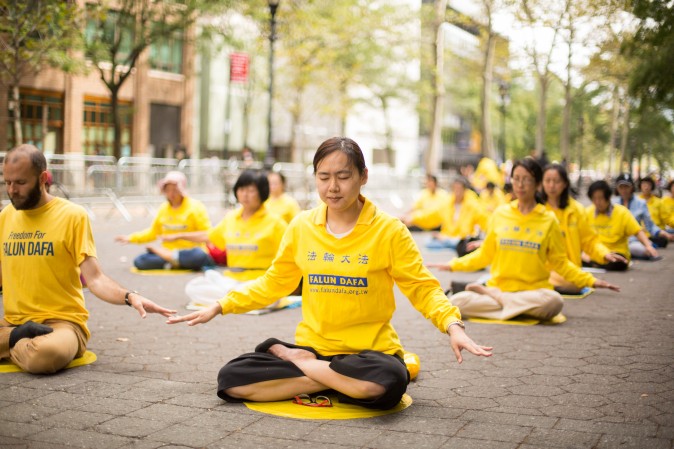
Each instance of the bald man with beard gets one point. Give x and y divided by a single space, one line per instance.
46 243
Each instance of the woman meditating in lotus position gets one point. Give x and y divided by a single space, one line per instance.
350 254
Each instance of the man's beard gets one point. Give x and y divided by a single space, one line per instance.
32 200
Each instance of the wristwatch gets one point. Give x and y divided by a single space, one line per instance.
126 297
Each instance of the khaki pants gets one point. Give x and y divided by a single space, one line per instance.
541 304
47 353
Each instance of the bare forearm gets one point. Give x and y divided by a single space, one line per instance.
641 236
107 289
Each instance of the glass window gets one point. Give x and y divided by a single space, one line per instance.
98 132
39 110
167 53
107 29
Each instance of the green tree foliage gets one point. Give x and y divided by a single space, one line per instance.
652 49
119 32
34 34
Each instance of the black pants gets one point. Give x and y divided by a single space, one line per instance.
659 241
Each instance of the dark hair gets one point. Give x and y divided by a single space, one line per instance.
37 159
256 178
669 184
347 146
432 178
280 175
648 180
530 165
602 186
561 171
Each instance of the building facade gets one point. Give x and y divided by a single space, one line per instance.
64 113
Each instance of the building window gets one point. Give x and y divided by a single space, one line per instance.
41 120
167 53
106 30
97 128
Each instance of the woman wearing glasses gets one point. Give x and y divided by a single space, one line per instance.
524 241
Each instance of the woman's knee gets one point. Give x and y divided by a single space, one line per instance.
553 305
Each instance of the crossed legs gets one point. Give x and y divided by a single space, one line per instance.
318 377
490 302
44 354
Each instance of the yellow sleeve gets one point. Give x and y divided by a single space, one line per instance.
278 281
560 262
417 283
202 222
589 239
479 258
217 234
481 217
149 234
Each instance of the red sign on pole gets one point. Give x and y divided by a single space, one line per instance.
238 68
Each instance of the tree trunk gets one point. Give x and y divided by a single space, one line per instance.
566 117
343 109
388 133
625 134
435 144
542 112
614 131
296 113
117 132
485 100
16 110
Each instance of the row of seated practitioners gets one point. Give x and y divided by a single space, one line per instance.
245 240
542 239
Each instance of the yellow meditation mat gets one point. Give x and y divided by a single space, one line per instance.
519 321
6 365
161 272
584 292
289 409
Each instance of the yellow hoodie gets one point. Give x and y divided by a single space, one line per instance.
190 216
668 210
578 235
615 228
428 209
520 249
470 215
347 294
655 208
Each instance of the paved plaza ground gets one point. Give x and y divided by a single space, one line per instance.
603 379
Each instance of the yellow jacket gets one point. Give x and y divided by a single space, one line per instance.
347 293
615 228
668 210
427 212
521 250
284 206
251 244
190 216
578 235
655 208
471 215
491 201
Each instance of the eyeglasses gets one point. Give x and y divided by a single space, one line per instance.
317 401
523 181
